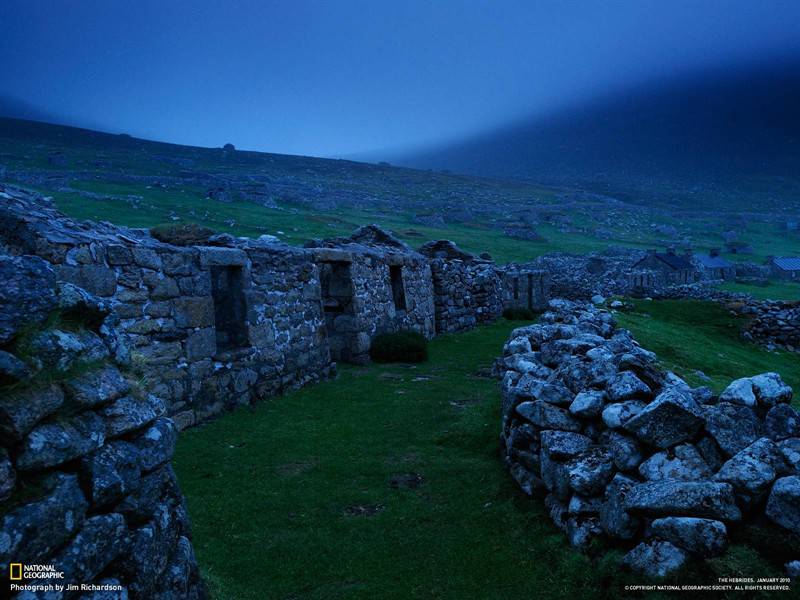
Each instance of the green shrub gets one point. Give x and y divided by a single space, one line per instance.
186 234
519 314
403 346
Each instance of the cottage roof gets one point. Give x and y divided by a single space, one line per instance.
713 262
673 261
787 263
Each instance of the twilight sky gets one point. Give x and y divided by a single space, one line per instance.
339 77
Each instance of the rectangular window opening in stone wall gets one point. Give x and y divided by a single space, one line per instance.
230 308
337 287
398 288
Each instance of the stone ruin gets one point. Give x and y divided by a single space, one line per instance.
625 452
219 322
467 290
85 475
524 287
371 283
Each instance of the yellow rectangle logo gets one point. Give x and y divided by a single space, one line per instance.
15 571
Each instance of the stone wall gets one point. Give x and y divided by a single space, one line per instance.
389 286
622 451
467 291
164 317
524 287
85 475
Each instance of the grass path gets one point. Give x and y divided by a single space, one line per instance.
294 499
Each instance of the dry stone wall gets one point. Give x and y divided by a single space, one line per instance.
85 476
623 451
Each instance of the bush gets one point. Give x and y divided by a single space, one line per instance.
187 234
519 314
403 346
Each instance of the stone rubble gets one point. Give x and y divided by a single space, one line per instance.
627 452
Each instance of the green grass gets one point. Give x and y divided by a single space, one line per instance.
293 498
269 490
694 335
774 290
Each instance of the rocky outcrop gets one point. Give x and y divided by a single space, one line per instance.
85 475
625 451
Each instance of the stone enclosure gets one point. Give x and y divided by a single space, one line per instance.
624 452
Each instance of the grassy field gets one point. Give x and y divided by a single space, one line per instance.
386 483
691 335
775 290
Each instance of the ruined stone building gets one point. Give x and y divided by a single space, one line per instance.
467 290
222 322
672 268
371 283
524 287
713 267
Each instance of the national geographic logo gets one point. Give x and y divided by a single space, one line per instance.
20 572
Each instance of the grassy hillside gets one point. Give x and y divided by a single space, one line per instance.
136 182
386 483
700 342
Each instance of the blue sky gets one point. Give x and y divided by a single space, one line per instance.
334 78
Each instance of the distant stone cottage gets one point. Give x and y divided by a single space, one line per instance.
672 268
714 267
785 267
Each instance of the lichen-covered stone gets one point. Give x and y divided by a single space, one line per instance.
111 473
548 416
616 415
51 444
97 387
671 418
21 410
783 506
683 498
627 386
705 537
732 427
655 559
129 413
156 444
33 531
682 462
27 295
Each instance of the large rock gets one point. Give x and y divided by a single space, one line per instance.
111 473
12 369
97 387
614 519
766 389
739 391
673 417
129 413
783 506
21 410
708 499
626 451
590 472
157 444
732 427
564 445
782 422
655 558
627 386
36 529
76 301
588 404
790 449
28 293
97 544
54 443
548 416
616 415
65 350
752 470
681 462
705 537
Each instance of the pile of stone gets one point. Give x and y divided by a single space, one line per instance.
85 475
775 324
624 451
